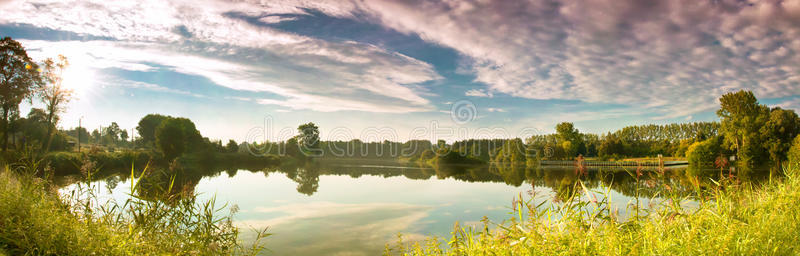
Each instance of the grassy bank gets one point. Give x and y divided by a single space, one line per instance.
731 218
35 219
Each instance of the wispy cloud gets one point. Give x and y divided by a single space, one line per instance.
479 93
204 40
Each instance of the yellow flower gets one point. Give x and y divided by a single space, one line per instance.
28 66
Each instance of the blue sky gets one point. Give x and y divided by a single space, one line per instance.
356 67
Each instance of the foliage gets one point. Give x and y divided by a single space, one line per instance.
704 152
308 139
147 128
730 218
778 132
53 94
36 220
794 152
170 138
741 121
232 147
19 79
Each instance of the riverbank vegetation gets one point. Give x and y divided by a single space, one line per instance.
153 220
729 217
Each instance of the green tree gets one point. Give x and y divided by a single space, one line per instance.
123 135
53 94
111 133
170 138
779 131
19 80
704 153
571 139
308 139
610 146
96 136
147 128
232 147
741 121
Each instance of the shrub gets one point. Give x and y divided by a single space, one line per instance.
704 152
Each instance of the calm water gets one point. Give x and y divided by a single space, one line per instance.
355 208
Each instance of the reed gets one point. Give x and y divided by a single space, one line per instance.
35 219
730 218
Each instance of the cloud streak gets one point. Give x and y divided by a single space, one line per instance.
203 39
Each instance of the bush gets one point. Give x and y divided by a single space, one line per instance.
66 163
704 152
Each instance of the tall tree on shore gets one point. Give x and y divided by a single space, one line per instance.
742 119
308 139
779 131
571 139
19 79
54 95
147 128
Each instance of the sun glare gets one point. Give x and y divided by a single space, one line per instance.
78 78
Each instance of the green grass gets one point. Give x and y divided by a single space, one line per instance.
732 218
36 220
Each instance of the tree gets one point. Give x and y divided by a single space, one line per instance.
232 147
610 146
96 136
742 119
170 138
308 138
704 152
779 131
53 94
571 140
147 128
19 79
123 135
111 133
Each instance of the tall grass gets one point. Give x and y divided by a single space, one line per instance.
35 219
731 218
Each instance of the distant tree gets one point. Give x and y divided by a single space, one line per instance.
571 139
232 147
80 132
19 80
611 145
742 119
123 135
112 133
96 136
53 94
147 128
308 138
779 131
170 138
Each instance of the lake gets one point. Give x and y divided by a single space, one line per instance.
356 207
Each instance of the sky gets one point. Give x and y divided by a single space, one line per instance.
397 70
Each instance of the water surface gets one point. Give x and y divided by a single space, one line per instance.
355 208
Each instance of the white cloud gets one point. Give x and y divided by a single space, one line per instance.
791 104
662 55
495 110
479 93
203 39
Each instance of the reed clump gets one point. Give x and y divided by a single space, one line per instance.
35 219
729 218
